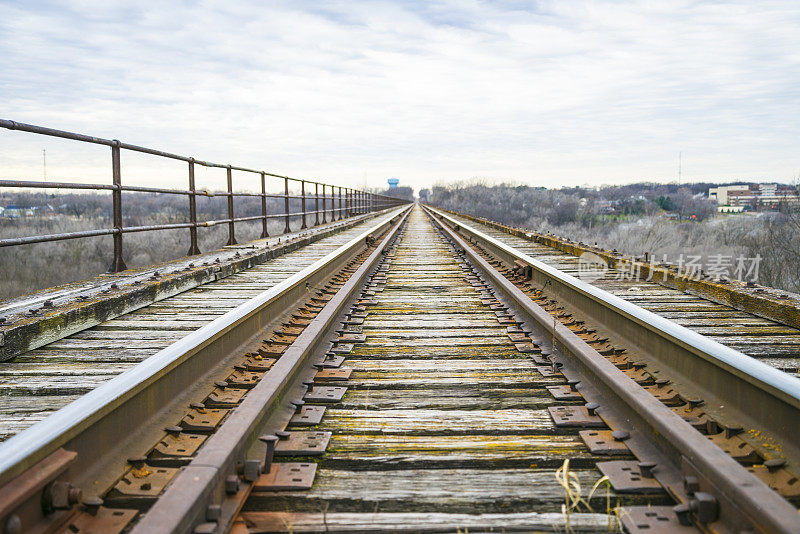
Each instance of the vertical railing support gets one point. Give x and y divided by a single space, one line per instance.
287 228
347 201
316 204
231 224
340 202
118 263
264 220
324 215
303 202
194 249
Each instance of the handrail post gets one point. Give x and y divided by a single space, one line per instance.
324 215
303 193
118 263
347 201
231 224
316 204
340 202
287 228
193 248
264 230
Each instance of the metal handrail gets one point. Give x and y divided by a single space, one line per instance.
351 202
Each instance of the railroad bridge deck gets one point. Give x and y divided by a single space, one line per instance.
409 373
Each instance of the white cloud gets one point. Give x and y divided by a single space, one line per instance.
549 93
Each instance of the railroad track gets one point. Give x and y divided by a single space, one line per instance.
447 392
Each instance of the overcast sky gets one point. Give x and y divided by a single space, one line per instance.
547 93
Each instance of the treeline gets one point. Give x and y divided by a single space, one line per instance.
524 205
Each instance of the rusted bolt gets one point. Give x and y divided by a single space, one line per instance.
270 440
13 525
48 304
138 462
221 384
2 320
661 382
731 431
60 495
252 470
646 468
620 435
298 403
92 505
114 286
691 484
174 430
694 403
282 434
198 406
213 512
231 484
191 265
774 464
712 427
573 384
592 407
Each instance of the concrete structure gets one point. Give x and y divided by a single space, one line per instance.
754 195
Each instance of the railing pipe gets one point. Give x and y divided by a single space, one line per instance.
194 249
264 229
286 228
231 218
118 263
303 203
316 204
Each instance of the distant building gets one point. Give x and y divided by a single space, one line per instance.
754 195
14 211
393 183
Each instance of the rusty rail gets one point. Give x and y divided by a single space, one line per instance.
350 201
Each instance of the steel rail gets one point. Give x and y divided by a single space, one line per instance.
741 495
125 415
201 483
753 394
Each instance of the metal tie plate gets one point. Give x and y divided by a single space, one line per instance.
258 363
602 442
333 375
563 392
574 416
527 347
354 320
626 476
140 485
102 520
244 379
344 348
332 361
272 349
224 397
780 480
652 520
325 394
205 420
308 416
303 443
287 476
177 445
351 338
740 450
547 370
284 339
665 394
